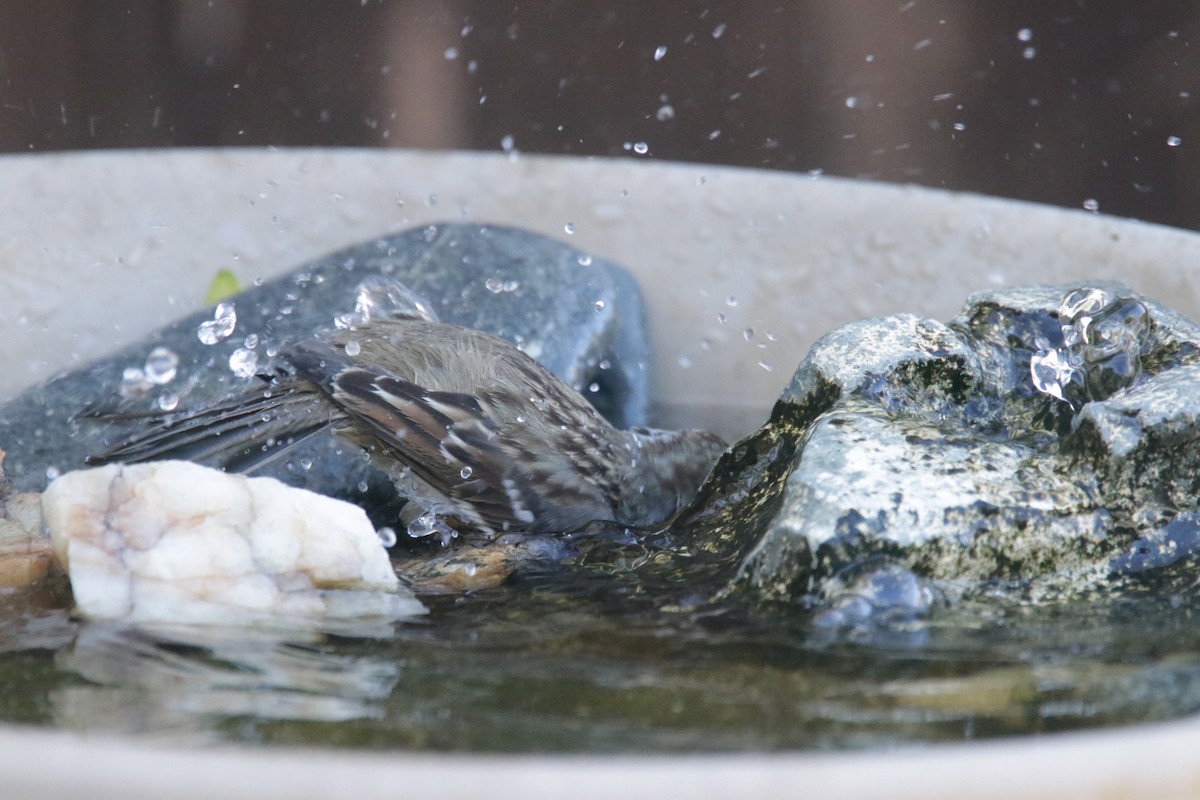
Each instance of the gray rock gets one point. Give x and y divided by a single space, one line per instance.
580 316
928 448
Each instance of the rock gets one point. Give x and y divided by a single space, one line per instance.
174 542
26 555
1045 442
580 316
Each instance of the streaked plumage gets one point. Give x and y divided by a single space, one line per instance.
472 428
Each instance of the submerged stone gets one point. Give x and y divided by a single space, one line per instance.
578 315
942 449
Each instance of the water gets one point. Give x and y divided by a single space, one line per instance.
608 645
220 327
553 663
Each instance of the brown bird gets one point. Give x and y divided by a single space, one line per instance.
480 435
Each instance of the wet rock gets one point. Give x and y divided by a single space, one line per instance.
579 315
955 452
176 543
26 555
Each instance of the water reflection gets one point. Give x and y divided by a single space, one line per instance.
565 663
186 682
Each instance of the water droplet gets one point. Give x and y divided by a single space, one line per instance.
714 135
1025 35
731 301
701 181
748 334
168 401
960 126
600 305
569 228
659 52
1103 338
387 536
506 143
465 472
584 260
766 366
161 366
251 341
593 387
685 362
1091 204
380 297
306 463
450 53
1050 372
353 348
1174 141
494 285
243 363
430 524
220 327
721 317
641 148
851 102
719 31
133 383
362 487
1029 52
52 473
771 337
664 113
511 286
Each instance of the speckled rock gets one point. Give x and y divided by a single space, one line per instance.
580 316
929 447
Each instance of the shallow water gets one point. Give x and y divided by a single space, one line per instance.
569 662
621 651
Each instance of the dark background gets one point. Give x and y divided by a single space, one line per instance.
1057 102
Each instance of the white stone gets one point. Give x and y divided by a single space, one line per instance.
174 542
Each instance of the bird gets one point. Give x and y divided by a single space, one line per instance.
481 436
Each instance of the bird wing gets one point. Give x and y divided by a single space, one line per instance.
446 439
229 433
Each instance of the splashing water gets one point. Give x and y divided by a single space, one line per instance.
1103 336
379 298
431 524
220 327
133 383
243 363
161 366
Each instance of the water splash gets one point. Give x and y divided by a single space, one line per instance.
220 327
431 524
162 364
1103 337
387 537
378 297
243 362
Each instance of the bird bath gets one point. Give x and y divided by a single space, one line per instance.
741 271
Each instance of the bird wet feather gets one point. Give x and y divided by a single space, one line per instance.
470 427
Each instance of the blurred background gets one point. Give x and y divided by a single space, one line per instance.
1071 103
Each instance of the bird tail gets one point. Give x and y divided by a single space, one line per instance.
238 434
